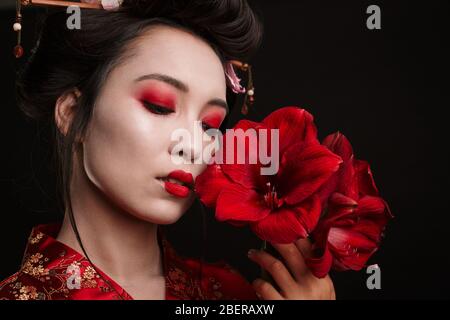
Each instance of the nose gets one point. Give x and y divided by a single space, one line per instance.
187 144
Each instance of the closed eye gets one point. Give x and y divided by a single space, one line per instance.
157 109
206 127
161 110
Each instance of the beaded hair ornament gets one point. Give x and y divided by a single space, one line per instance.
233 82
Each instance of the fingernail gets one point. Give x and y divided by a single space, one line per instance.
258 295
250 252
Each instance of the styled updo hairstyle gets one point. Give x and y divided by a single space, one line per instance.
65 59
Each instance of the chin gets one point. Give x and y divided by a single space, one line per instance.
161 216
160 219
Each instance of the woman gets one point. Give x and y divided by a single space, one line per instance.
115 91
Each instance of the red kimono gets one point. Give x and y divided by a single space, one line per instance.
51 270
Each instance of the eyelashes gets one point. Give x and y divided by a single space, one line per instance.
157 109
161 110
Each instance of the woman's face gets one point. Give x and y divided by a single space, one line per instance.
174 80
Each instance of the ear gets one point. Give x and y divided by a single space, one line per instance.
65 109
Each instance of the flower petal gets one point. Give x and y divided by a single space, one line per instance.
280 226
244 170
340 207
354 262
365 178
320 262
339 144
350 249
347 239
343 181
371 229
303 170
210 183
374 207
309 213
240 204
295 125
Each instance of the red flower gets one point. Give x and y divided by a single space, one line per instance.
356 216
279 208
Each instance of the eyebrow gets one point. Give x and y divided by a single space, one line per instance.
180 86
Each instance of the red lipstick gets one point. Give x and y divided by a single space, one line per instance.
182 185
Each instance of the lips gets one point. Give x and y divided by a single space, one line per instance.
178 183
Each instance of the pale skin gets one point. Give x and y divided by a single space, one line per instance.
116 199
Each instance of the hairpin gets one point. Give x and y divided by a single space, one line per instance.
234 82
17 27
87 4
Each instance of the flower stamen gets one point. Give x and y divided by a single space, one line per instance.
271 197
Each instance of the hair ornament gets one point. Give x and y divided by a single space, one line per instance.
233 81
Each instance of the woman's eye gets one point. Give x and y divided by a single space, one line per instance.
157 108
207 127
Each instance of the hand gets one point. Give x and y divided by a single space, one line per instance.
300 285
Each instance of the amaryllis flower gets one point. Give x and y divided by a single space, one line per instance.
282 207
355 216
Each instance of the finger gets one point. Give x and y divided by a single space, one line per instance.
293 257
276 269
265 290
305 246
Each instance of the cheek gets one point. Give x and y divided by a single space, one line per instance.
211 146
121 148
122 160
128 130
125 148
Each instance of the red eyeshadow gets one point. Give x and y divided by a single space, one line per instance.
159 97
214 119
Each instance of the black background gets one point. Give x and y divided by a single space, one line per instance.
387 90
